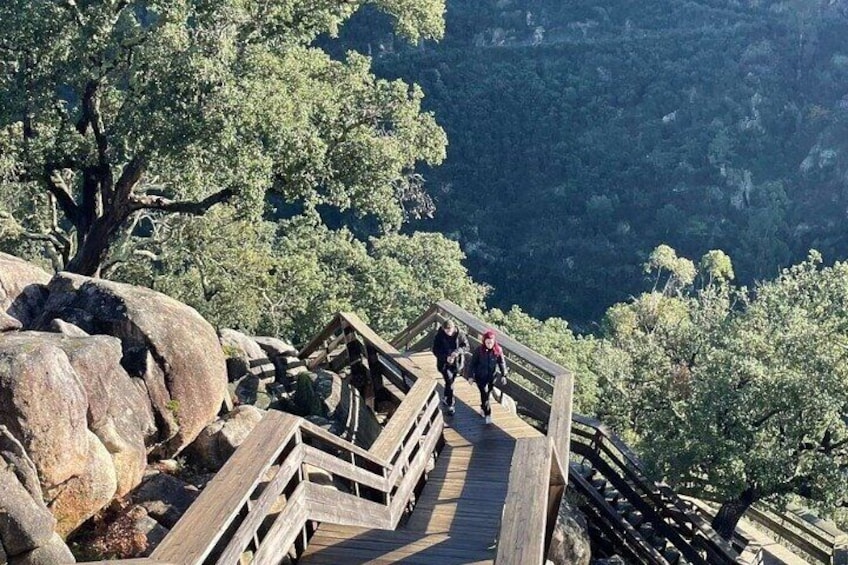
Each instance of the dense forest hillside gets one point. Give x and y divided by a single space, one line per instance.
582 134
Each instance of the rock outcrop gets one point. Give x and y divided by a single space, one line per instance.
219 440
44 405
165 343
570 543
22 291
119 411
26 525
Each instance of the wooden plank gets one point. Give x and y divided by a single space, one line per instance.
532 378
285 530
197 532
528 400
793 535
522 535
416 327
309 429
417 434
385 348
393 374
336 466
559 422
326 504
416 469
317 342
389 440
248 528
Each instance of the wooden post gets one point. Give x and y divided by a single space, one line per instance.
360 371
374 369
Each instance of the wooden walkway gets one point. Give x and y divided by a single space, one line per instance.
457 517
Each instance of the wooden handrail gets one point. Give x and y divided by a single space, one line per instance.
533 495
825 544
605 448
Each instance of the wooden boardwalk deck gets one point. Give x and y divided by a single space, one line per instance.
457 517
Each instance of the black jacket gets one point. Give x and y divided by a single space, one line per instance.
485 363
444 344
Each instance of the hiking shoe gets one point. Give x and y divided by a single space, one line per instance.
451 410
489 419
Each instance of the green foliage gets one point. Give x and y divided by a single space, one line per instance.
704 125
717 267
306 401
681 271
730 392
115 108
289 278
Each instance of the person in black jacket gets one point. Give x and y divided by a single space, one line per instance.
449 347
488 359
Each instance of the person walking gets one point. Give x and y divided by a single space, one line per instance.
488 359
449 347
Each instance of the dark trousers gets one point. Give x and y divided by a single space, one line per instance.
485 388
449 373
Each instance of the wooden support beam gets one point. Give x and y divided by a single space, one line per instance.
522 535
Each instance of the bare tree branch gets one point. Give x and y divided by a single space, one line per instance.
763 419
129 178
196 208
59 189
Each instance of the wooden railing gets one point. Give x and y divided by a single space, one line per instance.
681 525
539 472
263 502
819 540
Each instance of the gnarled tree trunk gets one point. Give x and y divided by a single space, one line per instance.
731 512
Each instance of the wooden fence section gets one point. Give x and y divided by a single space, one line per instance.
821 541
262 503
667 512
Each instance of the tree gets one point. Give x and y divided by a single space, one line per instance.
742 398
111 108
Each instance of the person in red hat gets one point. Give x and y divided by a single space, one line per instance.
488 359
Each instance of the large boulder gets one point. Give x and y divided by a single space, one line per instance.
8 323
165 498
43 404
570 543
235 343
55 552
15 456
346 407
25 523
219 440
21 290
274 347
119 410
77 499
166 343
